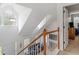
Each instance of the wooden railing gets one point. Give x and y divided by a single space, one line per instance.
44 36
31 43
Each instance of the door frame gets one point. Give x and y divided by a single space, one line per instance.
63 26
63 22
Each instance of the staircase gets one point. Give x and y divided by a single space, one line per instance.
41 44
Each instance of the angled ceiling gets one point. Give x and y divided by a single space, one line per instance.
39 11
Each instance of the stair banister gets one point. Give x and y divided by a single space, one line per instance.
44 36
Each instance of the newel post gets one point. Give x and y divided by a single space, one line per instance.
44 35
58 38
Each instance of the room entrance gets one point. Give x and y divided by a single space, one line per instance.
71 29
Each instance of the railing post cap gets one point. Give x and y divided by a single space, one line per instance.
44 29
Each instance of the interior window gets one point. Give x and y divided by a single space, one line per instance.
9 21
8 16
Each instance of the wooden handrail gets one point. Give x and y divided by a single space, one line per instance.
37 39
30 43
52 31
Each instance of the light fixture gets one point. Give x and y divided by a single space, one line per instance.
12 19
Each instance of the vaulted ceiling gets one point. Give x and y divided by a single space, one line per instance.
39 11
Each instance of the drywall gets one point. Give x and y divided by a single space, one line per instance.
23 14
8 36
60 20
74 11
39 11
58 23
76 21
73 8
53 25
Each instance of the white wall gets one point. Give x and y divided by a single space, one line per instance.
39 11
23 14
8 37
9 34
53 26
74 10
76 21
60 20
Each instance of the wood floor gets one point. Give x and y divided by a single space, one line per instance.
72 48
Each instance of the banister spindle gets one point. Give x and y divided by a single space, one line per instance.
58 38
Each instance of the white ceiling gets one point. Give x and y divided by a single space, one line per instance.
73 8
39 11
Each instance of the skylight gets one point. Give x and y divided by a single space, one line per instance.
42 23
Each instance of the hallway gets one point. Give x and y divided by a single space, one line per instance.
72 49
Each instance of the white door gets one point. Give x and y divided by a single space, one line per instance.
65 28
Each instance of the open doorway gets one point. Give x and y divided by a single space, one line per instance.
71 29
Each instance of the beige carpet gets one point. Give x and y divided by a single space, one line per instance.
72 49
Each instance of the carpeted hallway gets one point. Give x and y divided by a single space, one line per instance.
72 49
